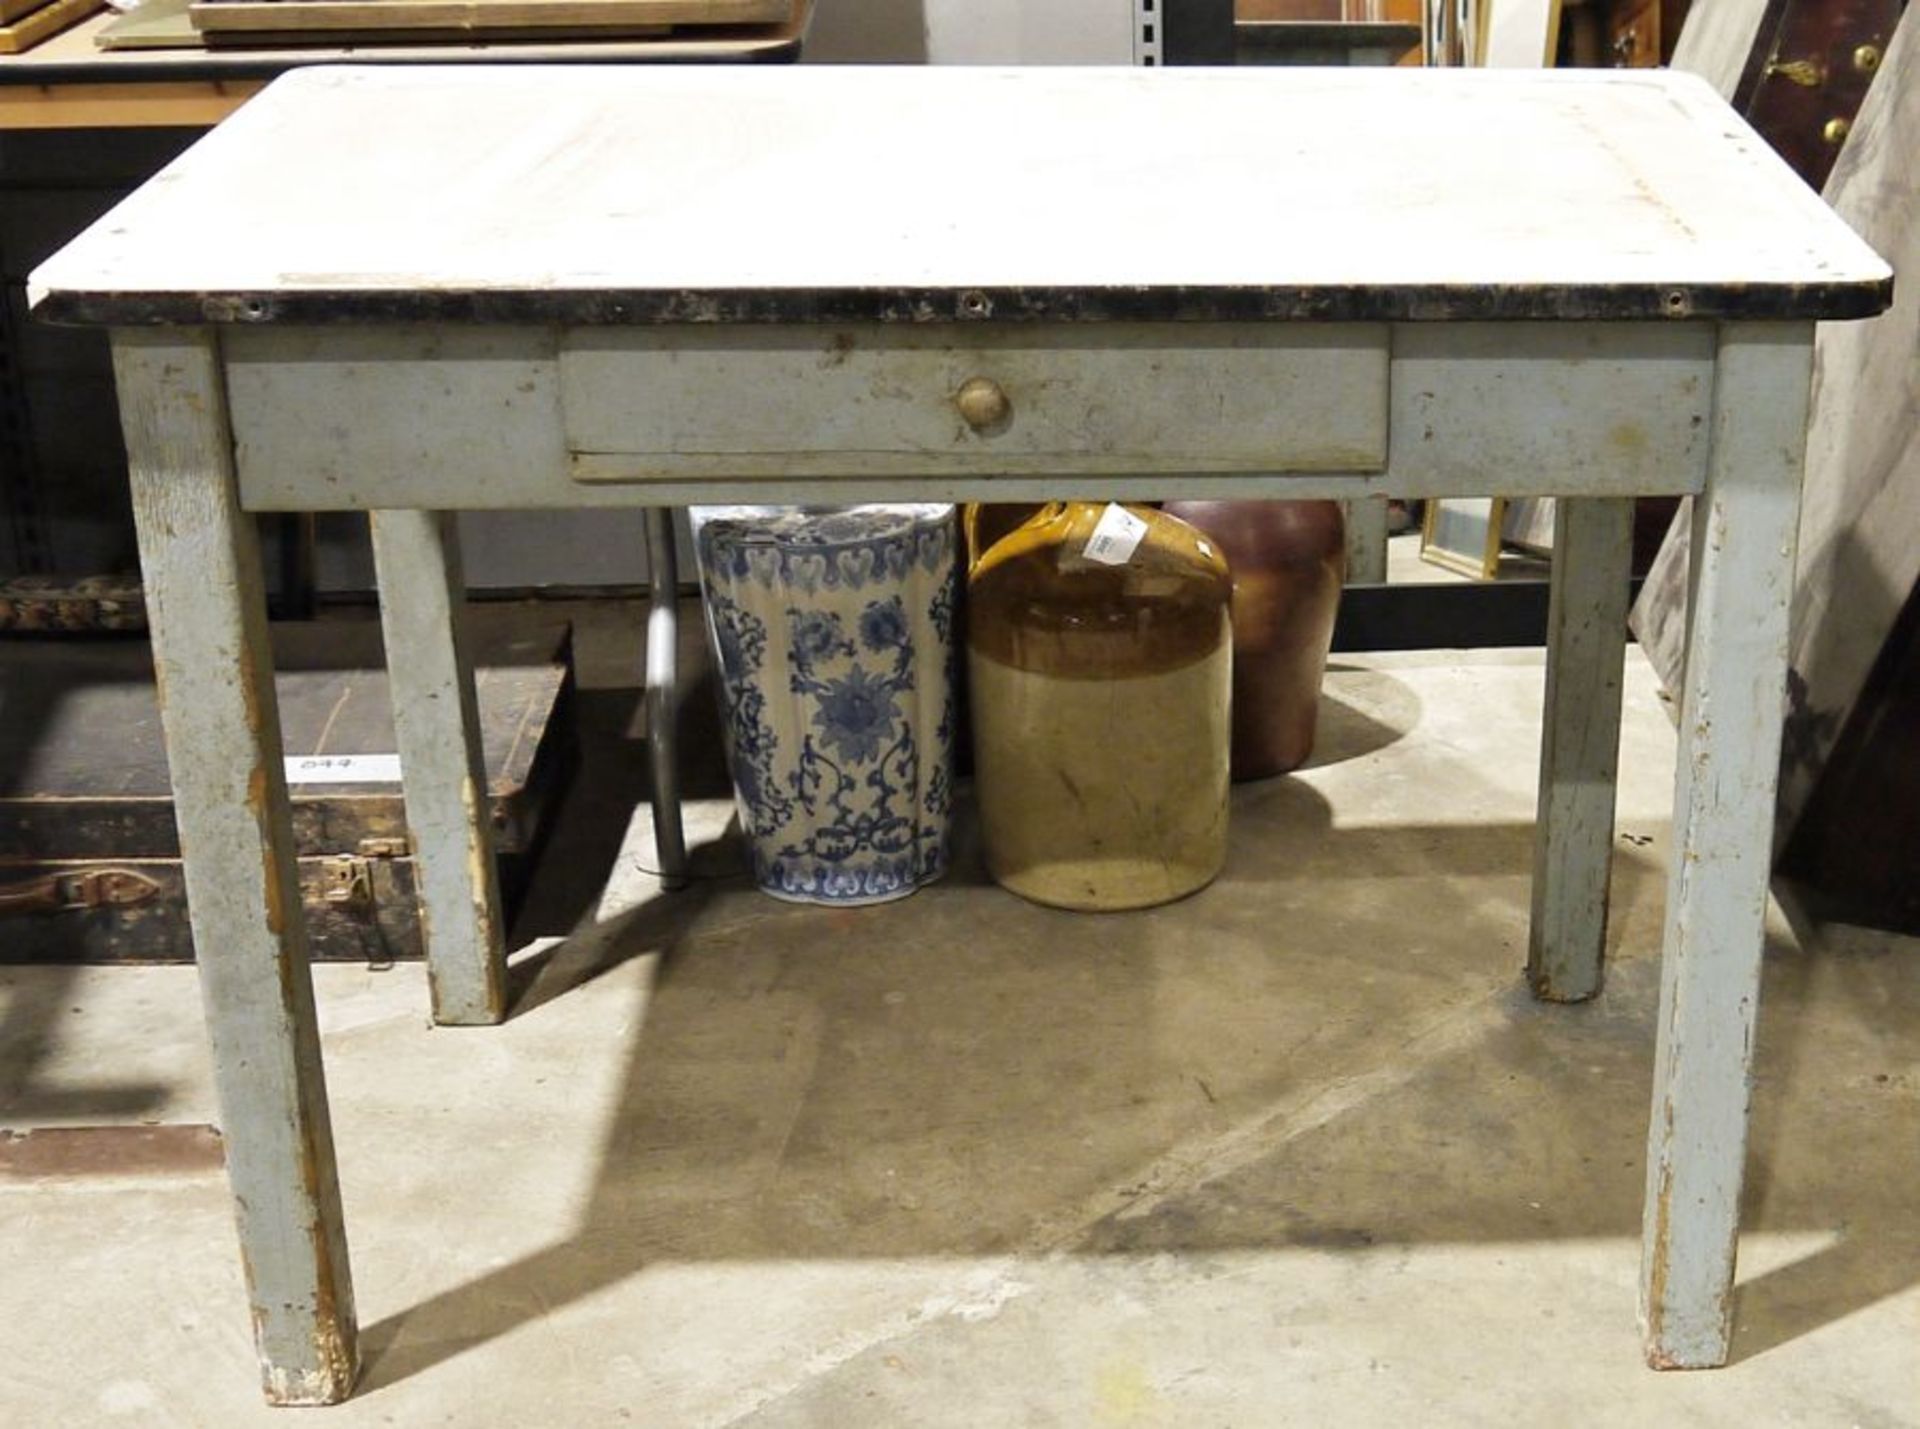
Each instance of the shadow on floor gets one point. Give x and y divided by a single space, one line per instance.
35 684
966 1075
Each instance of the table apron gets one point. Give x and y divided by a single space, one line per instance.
462 417
1136 398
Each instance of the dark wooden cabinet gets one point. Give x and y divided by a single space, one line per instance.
1808 73
1640 33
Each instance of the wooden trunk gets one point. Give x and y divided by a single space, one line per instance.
89 856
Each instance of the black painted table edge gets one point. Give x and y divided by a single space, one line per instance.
1749 302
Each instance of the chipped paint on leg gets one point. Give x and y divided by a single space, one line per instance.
208 610
1732 703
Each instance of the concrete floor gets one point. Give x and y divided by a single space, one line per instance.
1296 1151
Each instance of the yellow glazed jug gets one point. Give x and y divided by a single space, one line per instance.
1099 657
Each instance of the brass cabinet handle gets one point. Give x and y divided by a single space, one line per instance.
1806 73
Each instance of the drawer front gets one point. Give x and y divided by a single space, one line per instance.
694 403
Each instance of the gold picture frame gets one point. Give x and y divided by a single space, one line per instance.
1462 534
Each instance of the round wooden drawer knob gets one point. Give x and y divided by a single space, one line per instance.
983 404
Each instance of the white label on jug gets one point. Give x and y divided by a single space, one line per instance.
1115 536
343 769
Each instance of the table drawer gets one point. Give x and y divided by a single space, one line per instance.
690 403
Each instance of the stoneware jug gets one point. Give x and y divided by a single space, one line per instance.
1099 663
983 523
833 633
1289 560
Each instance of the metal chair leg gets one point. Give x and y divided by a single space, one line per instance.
663 635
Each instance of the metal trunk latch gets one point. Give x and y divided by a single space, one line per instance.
71 892
347 878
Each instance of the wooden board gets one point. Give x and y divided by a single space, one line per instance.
360 42
1519 34
166 104
169 25
156 25
71 82
44 23
88 56
1528 524
537 195
277 17
1716 40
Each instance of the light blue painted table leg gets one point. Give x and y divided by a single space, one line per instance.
201 561
1745 526
1579 745
1366 521
436 721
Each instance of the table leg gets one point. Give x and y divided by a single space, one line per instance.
663 637
436 721
1730 718
1580 745
207 608
1366 519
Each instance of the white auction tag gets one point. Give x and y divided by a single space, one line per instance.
343 769
1115 536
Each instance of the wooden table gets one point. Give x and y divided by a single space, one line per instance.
415 291
68 82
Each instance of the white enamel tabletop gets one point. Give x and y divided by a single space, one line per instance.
583 193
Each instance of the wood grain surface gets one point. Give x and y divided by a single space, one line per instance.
274 16
41 24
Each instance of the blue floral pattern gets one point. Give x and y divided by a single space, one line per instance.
883 626
817 636
741 641
940 614
856 716
843 793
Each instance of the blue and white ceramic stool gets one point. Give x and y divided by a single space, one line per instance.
833 632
